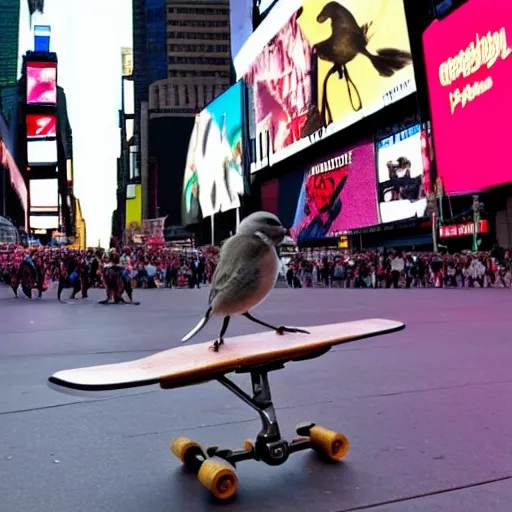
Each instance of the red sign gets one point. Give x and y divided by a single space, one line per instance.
456 230
41 125
469 66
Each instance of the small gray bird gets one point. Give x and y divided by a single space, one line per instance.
247 271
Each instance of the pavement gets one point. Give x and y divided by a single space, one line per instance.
427 409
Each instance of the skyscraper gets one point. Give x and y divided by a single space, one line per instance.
198 57
9 27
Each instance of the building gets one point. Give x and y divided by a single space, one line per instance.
15 31
198 57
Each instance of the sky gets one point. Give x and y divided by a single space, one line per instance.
87 37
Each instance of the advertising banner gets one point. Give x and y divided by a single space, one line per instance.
42 152
401 176
44 195
339 194
469 86
458 230
17 180
153 230
330 64
42 83
214 179
39 125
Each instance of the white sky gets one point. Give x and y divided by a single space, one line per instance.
87 37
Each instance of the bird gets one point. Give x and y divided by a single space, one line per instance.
348 39
247 271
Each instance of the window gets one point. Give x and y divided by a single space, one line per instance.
198 36
206 61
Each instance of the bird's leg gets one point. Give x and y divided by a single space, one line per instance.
280 330
349 83
326 109
220 341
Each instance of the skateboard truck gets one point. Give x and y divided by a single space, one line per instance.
216 467
269 447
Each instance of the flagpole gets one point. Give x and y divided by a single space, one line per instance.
213 228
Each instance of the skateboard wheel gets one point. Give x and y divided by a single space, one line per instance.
189 452
219 477
331 444
248 445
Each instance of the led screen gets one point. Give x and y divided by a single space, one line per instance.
44 195
338 194
44 221
42 83
42 152
41 125
129 101
469 86
400 174
328 65
214 174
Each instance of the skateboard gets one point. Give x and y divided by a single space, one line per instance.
257 354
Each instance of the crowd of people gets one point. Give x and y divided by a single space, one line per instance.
398 269
139 267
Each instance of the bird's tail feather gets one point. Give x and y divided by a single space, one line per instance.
198 327
389 60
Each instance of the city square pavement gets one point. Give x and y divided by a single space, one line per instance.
428 410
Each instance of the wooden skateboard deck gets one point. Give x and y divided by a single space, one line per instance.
192 364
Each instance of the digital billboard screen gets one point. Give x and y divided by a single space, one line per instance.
39 125
214 179
339 193
328 65
469 86
44 195
44 221
42 83
42 152
400 175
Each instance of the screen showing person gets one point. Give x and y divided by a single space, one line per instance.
400 170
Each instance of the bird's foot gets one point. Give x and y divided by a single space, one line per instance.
216 345
281 330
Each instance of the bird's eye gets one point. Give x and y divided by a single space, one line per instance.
273 222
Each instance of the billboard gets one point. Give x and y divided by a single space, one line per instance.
42 83
469 81
39 125
214 180
329 64
42 152
44 195
338 194
400 175
44 222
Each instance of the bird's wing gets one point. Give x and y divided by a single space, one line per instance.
238 271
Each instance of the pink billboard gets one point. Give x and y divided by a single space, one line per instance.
469 68
339 193
42 83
